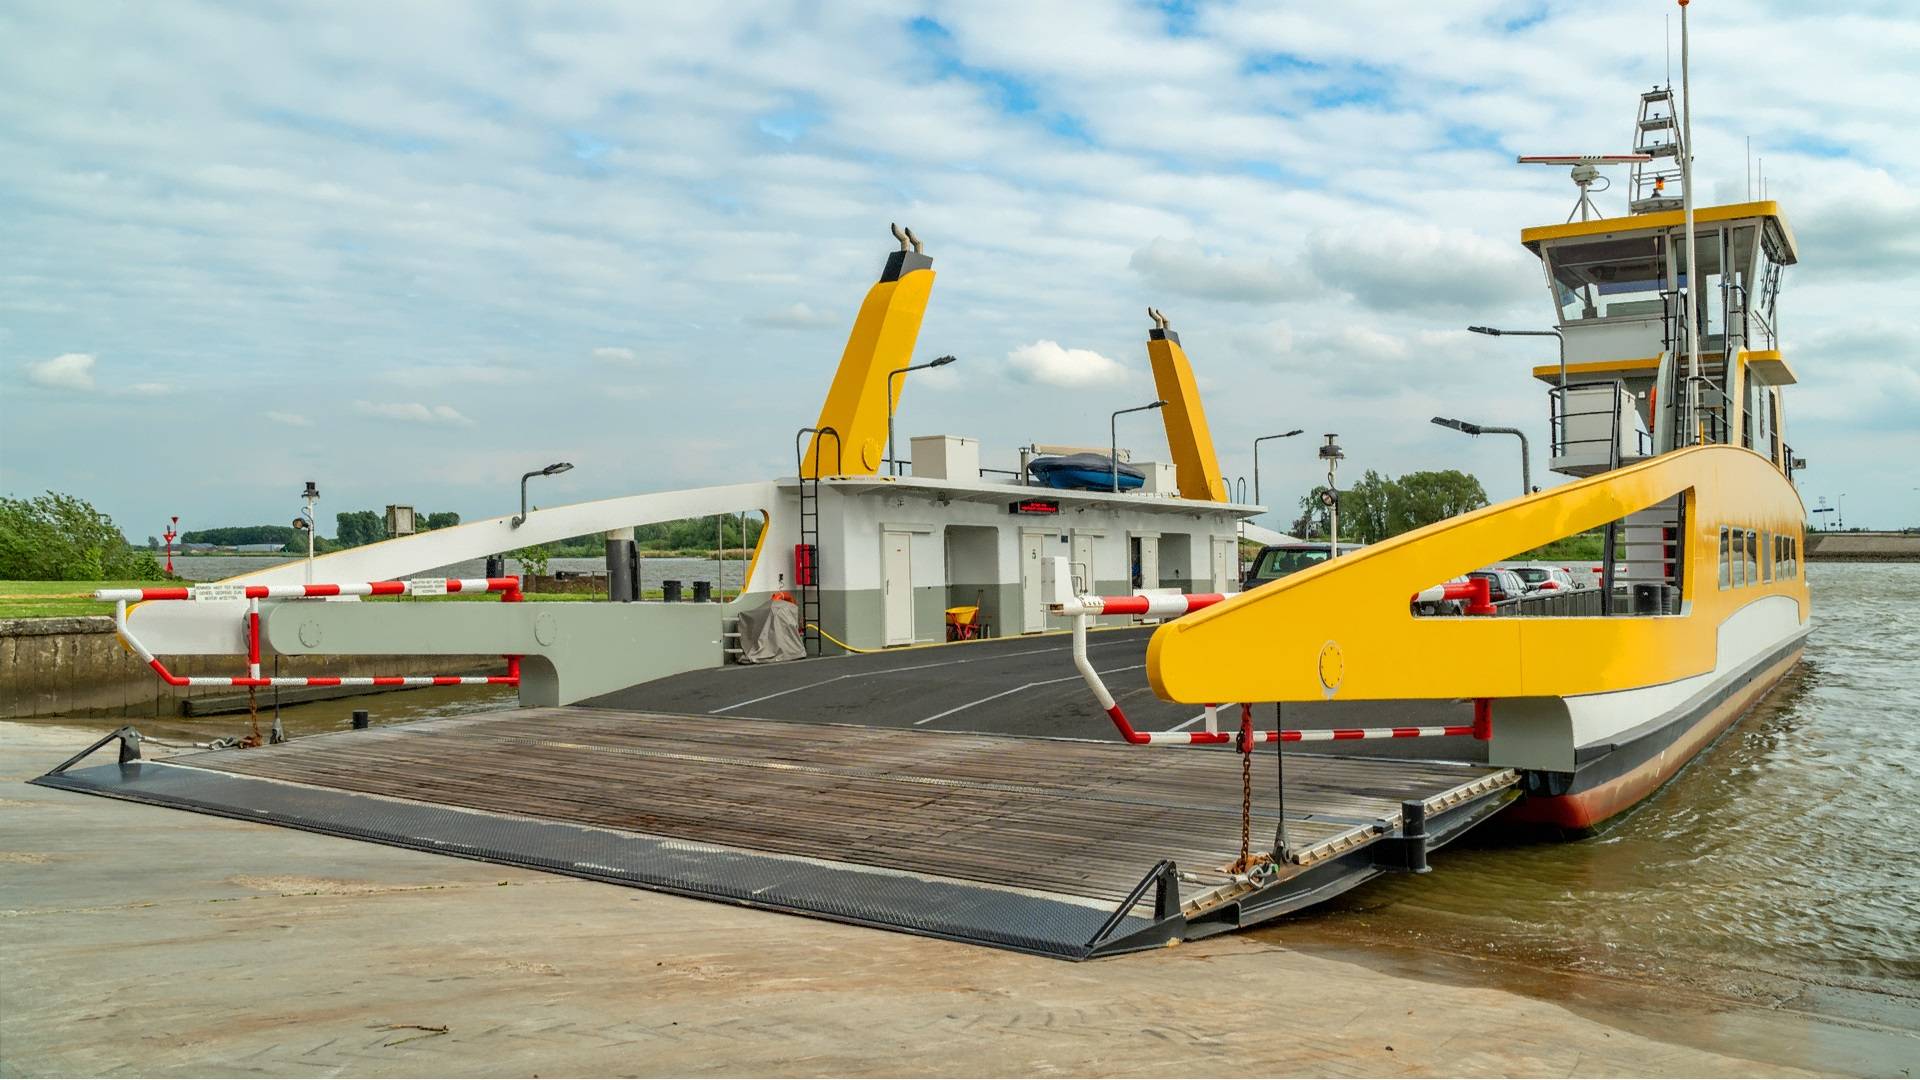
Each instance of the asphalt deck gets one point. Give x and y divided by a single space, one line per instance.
1014 686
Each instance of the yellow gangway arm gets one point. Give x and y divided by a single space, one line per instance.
1343 628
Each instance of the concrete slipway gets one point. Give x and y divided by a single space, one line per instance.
137 940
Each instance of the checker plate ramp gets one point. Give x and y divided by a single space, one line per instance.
1046 846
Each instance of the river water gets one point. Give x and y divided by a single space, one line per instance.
1782 867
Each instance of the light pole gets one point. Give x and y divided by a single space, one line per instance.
1526 469
1840 506
1256 460
1492 332
893 463
554 469
1113 429
310 496
1331 454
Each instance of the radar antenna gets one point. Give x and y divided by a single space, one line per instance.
1586 170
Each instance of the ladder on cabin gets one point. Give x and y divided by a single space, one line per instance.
807 562
1655 185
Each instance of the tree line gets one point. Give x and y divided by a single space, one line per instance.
57 537
1377 507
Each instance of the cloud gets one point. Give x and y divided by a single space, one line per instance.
795 315
1396 266
616 354
1050 363
1183 267
411 412
68 371
452 374
288 419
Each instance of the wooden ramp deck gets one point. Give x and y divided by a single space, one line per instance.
1045 845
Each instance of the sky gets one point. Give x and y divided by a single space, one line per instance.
410 251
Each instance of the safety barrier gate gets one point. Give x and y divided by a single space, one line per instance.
509 588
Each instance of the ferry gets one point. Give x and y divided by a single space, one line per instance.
1665 407
1023 788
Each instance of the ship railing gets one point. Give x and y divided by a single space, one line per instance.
1606 446
507 587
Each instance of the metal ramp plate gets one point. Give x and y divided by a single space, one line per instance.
1045 846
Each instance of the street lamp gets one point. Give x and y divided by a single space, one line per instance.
554 469
1256 460
1113 429
1526 471
893 463
1492 332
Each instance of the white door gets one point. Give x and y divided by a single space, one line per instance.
1148 559
1033 616
1225 564
896 586
1082 568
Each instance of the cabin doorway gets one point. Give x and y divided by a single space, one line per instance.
1033 613
896 587
1143 560
1226 564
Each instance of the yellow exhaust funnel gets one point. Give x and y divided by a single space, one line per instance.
1196 466
881 343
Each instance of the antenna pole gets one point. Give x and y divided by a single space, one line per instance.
1749 168
1693 266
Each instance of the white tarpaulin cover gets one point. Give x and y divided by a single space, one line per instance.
771 634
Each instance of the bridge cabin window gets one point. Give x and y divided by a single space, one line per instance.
1726 557
1610 278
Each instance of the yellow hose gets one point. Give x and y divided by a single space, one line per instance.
947 644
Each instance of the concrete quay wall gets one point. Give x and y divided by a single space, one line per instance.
1863 547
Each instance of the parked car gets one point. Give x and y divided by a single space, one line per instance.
1278 560
1545 578
1502 585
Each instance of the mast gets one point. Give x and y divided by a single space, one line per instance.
1693 267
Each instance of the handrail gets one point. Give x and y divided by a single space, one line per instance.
800 457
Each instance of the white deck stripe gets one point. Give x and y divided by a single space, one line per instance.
1015 690
887 671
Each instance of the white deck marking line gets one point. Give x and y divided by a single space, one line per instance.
891 671
1015 690
1185 724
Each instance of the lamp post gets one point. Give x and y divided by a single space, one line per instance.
1526 471
1492 332
893 463
1256 460
554 469
310 496
1113 429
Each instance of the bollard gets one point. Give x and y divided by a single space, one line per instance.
670 591
360 720
703 592
1413 830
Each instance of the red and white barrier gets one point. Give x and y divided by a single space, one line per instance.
509 588
1477 592
1083 608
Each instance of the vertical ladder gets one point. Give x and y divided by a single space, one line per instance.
810 530
1655 185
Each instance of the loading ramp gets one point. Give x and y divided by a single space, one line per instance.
1064 848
